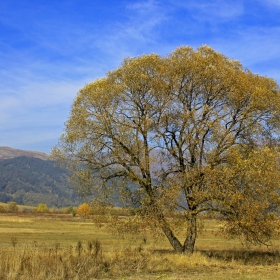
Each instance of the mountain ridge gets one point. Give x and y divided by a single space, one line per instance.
30 178
8 153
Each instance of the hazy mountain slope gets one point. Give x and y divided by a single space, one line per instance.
30 180
7 152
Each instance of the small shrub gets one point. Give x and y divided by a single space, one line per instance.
2 209
79 247
42 208
14 241
55 210
12 207
72 211
84 210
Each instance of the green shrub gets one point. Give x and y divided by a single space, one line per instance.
42 208
72 211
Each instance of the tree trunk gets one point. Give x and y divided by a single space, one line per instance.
191 238
189 243
175 243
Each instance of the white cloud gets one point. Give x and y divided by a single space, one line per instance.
254 47
217 10
257 46
39 82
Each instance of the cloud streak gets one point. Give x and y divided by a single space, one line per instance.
215 11
48 51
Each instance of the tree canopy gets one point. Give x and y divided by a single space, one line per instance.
194 132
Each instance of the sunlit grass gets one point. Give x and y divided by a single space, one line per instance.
49 246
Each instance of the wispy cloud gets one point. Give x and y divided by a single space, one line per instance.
145 16
257 48
136 34
219 10
48 51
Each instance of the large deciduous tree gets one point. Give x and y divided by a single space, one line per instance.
194 132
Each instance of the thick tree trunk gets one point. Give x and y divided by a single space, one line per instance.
189 243
175 243
191 238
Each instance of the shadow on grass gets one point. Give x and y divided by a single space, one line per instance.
243 256
247 257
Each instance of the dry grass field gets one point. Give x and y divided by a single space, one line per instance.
59 246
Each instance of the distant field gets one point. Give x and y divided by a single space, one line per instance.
59 246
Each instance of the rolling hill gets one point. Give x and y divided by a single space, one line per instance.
32 178
7 152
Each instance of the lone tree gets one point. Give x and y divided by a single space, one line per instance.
178 136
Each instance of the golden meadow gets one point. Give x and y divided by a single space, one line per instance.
60 246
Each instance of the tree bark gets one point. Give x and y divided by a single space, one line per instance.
189 243
175 243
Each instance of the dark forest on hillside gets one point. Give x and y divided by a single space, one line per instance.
30 181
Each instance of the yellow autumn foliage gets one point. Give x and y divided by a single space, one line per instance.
84 210
190 134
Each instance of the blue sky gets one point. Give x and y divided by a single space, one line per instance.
50 49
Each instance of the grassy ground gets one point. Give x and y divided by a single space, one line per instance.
59 246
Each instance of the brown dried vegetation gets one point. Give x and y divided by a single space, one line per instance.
108 257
